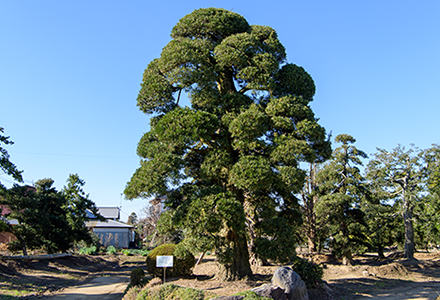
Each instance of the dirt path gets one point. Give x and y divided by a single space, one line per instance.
392 280
109 285
106 288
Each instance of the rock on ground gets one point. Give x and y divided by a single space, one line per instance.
289 280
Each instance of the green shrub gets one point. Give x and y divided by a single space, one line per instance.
309 272
136 276
88 250
111 250
132 292
171 291
127 252
183 260
139 252
130 252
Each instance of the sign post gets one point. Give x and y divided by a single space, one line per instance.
164 262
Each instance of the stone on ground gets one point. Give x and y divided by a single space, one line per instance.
289 280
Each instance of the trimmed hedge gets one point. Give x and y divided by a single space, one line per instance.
136 276
183 261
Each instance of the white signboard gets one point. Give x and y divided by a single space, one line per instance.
164 261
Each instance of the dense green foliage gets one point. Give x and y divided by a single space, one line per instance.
400 175
136 276
342 188
88 250
183 260
309 272
111 250
6 166
233 155
396 203
47 218
78 203
41 217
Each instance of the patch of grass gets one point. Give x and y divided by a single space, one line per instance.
13 291
171 291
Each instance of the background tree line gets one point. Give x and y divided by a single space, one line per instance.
46 218
392 201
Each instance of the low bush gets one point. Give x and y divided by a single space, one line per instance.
183 260
140 252
111 250
309 272
136 276
88 250
171 291
132 293
129 252
126 252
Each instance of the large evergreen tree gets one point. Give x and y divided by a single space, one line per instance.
78 203
427 227
342 189
233 155
41 217
48 218
400 173
382 219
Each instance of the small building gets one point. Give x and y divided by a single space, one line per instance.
111 232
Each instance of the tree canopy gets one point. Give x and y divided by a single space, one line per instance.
48 218
342 189
232 157
6 166
400 173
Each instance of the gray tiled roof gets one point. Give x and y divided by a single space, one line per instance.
106 212
107 224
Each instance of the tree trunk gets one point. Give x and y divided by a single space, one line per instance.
310 209
200 258
23 247
380 251
311 234
238 267
347 258
409 235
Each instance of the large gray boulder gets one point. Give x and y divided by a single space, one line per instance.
291 283
270 291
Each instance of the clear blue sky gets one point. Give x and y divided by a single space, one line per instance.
70 73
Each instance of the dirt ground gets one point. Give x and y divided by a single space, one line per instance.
391 278
38 278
